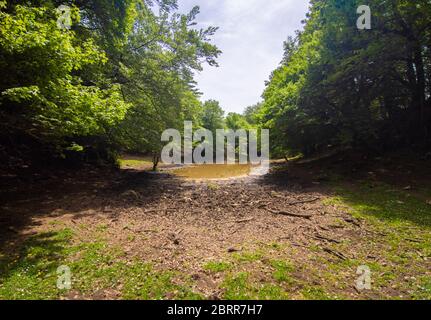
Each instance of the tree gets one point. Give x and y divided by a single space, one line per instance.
115 81
213 116
157 73
339 86
42 95
251 113
236 122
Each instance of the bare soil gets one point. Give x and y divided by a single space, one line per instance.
181 225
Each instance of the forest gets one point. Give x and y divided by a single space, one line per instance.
124 73
338 86
89 86
115 81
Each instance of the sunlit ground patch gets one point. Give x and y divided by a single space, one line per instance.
135 163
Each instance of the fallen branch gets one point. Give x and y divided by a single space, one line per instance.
235 231
240 221
302 202
151 211
284 238
320 237
352 221
244 220
148 231
262 205
414 240
335 253
291 214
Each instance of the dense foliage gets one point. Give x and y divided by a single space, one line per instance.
338 86
114 81
124 72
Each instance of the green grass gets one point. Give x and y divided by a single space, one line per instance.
248 256
217 267
401 221
32 272
242 282
381 203
143 283
424 289
240 287
315 293
282 271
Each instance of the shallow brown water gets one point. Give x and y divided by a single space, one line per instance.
214 171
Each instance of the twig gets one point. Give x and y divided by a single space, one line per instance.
239 221
352 221
302 202
320 237
151 211
335 253
299 245
235 231
290 214
413 240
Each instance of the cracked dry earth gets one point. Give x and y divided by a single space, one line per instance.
182 225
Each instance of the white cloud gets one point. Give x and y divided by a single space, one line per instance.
251 37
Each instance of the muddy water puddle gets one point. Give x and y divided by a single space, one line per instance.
214 171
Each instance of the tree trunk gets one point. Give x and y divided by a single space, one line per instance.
421 95
156 160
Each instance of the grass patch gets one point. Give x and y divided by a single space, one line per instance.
382 203
248 256
143 283
403 219
282 271
32 272
315 293
213 186
217 266
401 222
240 287
423 291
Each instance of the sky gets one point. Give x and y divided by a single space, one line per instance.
251 37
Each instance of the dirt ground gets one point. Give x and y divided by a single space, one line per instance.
183 225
